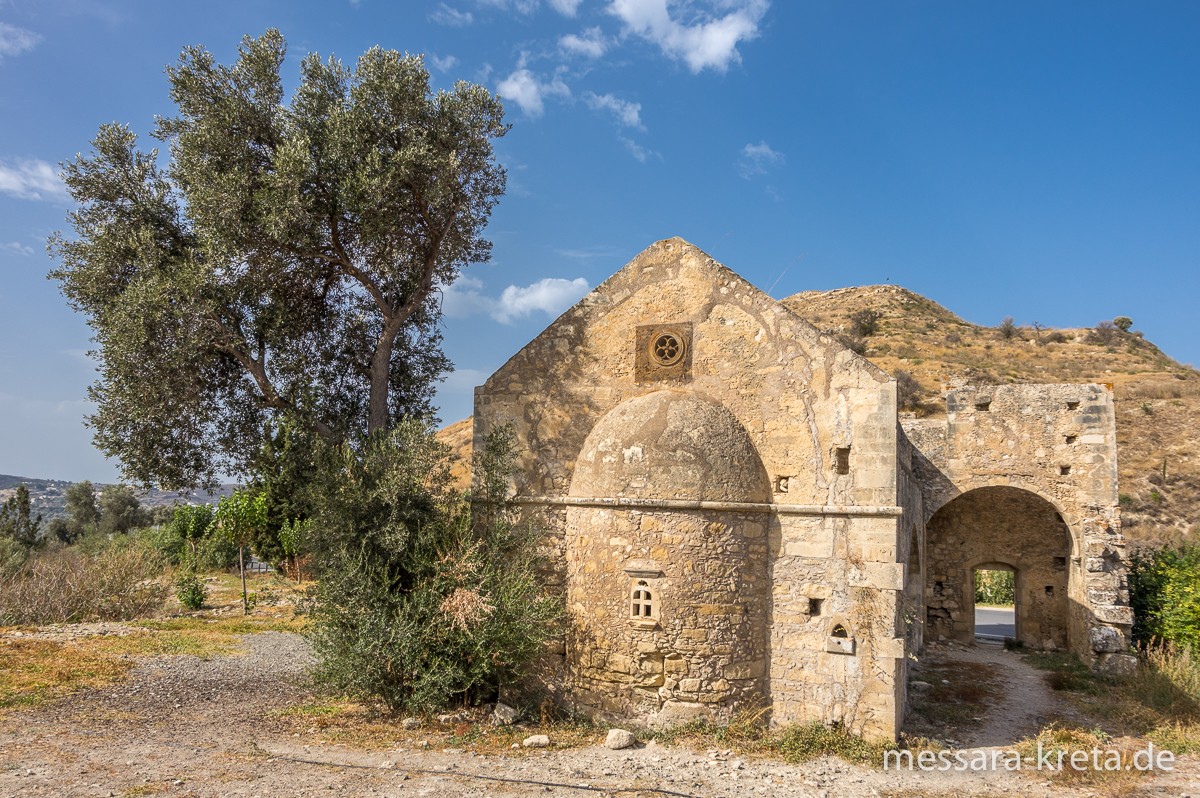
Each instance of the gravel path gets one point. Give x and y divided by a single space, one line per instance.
182 726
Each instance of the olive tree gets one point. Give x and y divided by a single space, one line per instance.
283 262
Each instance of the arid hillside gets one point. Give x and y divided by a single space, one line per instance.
1158 399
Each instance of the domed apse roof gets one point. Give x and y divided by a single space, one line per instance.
670 445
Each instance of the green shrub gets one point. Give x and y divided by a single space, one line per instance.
420 601
12 556
190 589
1164 591
864 323
188 538
995 587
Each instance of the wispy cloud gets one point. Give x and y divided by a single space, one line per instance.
451 17
31 179
756 159
525 7
590 44
587 253
626 112
550 295
443 64
568 8
709 43
14 40
637 150
16 248
526 90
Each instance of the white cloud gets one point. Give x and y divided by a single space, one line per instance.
627 113
452 17
525 7
443 64
16 248
757 158
567 8
710 42
550 295
637 150
14 40
591 44
524 88
31 179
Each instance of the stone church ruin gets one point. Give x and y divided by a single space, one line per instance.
739 518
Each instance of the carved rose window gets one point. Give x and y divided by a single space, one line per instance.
667 349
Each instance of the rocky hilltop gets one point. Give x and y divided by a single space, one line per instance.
932 350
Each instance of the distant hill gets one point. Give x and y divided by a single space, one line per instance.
1157 398
49 496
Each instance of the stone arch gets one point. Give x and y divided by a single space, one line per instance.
1016 528
668 490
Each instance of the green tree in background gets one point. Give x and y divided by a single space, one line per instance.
286 260
284 470
238 519
17 521
83 513
121 510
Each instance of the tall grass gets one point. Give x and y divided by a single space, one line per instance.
116 583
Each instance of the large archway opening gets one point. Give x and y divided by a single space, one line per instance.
995 603
997 530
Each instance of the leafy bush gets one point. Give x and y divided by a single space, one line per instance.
420 601
995 587
190 589
1122 323
864 323
118 583
12 556
189 538
1103 333
1164 591
908 392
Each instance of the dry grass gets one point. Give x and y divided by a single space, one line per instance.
33 672
39 667
346 722
1160 703
1112 772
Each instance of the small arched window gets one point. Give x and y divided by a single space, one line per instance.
839 631
642 603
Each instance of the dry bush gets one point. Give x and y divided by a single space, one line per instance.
67 586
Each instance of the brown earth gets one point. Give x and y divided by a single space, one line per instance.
244 724
1157 398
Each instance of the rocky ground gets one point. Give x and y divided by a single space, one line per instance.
184 726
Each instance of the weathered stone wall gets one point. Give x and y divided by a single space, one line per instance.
1000 526
820 420
1055 442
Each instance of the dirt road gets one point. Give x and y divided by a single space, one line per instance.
182 726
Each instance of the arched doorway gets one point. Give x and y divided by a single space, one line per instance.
999 528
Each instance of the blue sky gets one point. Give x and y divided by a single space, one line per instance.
1039 160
